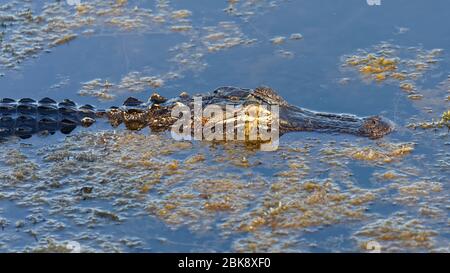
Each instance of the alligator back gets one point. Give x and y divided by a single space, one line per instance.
26 117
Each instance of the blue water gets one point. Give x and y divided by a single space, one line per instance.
310 78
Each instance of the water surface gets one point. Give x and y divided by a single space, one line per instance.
319 193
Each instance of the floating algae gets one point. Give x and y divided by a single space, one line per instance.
393 64
405 67
397 233
443 122
296 36
278 40
135 82
384 153
63 40
185 56
183 184
97 88
224 35
91 186
132 82
30 32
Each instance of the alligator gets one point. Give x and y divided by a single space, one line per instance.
27 117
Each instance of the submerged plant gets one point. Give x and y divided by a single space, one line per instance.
443 122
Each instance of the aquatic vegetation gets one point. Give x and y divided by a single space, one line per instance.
224 35
420 188
185 56
117 191
56 24
135 82
63 40
394 65
97 88
278 40
285 54
296 36
181 184
415 97
30 31
397 233
446 117
443 122
389 175
62 81
384 153
29 34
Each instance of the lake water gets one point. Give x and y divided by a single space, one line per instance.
114 190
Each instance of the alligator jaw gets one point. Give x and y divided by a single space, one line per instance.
293 118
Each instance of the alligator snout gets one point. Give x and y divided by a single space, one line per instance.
376 127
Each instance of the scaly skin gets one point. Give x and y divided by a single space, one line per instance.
27 117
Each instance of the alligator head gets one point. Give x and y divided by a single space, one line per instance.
376 127
293 118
